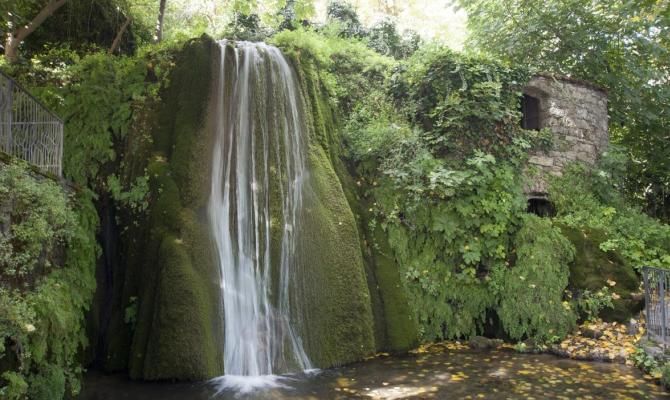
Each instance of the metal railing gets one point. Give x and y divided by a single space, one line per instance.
28 130
657 301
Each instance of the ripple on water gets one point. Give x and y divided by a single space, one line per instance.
452 374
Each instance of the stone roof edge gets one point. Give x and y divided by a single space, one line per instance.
569 79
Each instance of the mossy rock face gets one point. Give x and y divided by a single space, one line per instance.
173 274
336 312
402 332
171 269
592 268
393 325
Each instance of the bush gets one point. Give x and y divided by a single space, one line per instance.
42 323
665 375
590 200
532 292
39 224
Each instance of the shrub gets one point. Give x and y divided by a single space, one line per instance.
532 292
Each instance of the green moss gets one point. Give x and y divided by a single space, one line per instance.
401 327
182 343
172 272
592 268
335 295
393 325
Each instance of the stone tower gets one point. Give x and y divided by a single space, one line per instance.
576 113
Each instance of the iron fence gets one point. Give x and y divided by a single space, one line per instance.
657 301
28 130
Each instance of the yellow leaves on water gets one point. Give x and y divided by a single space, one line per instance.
459 376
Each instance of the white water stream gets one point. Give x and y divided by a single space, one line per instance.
259 153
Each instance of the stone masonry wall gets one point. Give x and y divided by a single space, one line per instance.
576 113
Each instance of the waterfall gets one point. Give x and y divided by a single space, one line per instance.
258 180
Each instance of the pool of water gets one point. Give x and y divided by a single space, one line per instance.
445 374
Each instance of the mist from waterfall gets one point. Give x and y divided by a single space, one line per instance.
258 178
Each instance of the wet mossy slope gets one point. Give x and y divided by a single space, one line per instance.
363 266
177 331
167 322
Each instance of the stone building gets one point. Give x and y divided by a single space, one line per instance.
576 113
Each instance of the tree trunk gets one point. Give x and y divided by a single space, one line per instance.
14 39
159 23
117 40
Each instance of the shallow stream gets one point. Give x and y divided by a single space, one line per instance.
448 374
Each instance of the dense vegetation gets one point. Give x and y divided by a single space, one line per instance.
622 45
46 284
431 149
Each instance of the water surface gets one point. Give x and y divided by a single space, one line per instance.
448 374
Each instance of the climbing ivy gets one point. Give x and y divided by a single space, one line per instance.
440 154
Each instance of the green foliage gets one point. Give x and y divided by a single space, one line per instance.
39 224
347 68
343 14
135 198
591 199
665 375
49 384
531 292
644 361
101 98
97 109
80 25
439 152
15 388
622 45
448 229
384 38
590 304
465 103
44 323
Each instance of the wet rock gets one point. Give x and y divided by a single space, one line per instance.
589 332
483 343
633 326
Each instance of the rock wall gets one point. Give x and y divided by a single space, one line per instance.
576 113
168 280
395 328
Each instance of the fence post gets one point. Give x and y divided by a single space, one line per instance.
647 298
10 121
663 310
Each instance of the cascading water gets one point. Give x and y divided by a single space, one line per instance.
258 180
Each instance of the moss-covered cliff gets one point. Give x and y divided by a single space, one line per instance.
394 327
166 317
165 322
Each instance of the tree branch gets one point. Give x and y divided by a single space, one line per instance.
22 32
117 40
